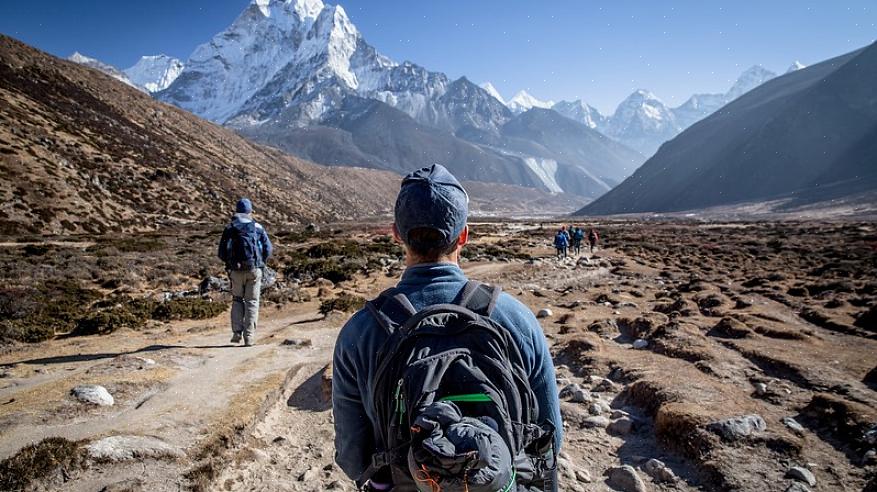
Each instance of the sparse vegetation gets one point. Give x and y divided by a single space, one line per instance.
38 461
345 302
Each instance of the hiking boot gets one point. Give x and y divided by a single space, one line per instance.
236 338
248 342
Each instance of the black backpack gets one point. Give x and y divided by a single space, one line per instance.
452 400
245 253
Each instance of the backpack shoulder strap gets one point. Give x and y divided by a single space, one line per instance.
391 309
480 298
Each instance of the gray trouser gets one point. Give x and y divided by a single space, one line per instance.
245 288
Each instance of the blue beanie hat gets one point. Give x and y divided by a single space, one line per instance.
244 206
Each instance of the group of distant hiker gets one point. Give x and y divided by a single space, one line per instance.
573 237
441 383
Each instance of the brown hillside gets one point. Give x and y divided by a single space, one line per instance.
82 152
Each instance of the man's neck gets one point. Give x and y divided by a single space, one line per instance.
453 259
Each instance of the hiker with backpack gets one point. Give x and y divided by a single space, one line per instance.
442 383
593 239
561 243
244 247
577 237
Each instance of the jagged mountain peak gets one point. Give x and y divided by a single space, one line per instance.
523 101
580 111
795 66
106 68
751 78
155 72
493 91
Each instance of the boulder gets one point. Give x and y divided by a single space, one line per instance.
625 479
126 448
621 427
659 471
269 278
94 394
576 393
736 428
801 474
639 343
544 313
793 425
213 284
595 422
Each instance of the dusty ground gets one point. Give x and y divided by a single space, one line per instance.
733 320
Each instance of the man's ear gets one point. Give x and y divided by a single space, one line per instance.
464 237
396 235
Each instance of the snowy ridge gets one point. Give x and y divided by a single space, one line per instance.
155 73
523 101
493 92
110 70
795 66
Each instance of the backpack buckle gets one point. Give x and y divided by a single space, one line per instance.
382 459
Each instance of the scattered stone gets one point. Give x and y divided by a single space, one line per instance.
583 476
213 284
625 479
595 408
308 475
595 422
576 394
736 428
798 487
793 425
323 282
870 458
639 343
621 427
280 440
544 313
606 386
801 474
94 394
297 342
126 448
760 389
659 471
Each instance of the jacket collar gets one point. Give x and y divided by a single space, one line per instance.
426 273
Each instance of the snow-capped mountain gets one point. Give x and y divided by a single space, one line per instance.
643 122
748 80
110 70
580 111
155 73
523 100
795 66
493 91
299 75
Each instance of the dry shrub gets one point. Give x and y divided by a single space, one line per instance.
38 461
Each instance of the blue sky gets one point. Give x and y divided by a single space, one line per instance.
599 51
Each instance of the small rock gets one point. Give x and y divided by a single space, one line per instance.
606 386
94 394
308 475
544 313
595 422
621 427
126 448
639 343
659 471
793 425
323 282
297 342
870 457
760 389
583 476
576 393
736 428
280 440
801 474
595 408
798 487
617 414
625 479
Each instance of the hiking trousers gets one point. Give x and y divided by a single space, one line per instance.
246 286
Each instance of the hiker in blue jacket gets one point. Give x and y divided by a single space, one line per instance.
430 221
561 243
244 248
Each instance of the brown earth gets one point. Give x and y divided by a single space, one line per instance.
738 319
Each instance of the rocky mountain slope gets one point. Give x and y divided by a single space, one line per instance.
288 71
802 138
80 152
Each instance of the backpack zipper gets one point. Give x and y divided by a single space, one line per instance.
400 404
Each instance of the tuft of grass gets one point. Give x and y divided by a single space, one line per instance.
38 461
345 302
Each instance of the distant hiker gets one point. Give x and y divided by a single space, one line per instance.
593 239
561 243
442 383
244 247
577 236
